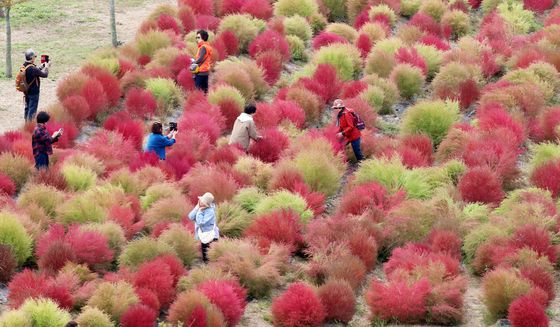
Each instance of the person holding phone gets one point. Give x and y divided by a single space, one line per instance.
42 141
157 142
205 225
33 75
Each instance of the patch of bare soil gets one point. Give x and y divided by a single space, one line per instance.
94 30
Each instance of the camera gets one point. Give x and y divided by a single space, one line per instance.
173 126
44 59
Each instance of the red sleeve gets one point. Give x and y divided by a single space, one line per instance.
348 123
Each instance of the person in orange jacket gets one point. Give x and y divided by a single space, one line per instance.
201 65
347 129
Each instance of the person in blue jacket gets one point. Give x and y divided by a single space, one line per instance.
205 226
157 142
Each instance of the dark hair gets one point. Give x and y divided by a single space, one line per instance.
250 109
203 34
72 324
43 117
157 128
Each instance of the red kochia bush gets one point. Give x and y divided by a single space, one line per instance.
270 40
435 42
200 122
77 107
110 83
352 89
398 301
540 278
70 133
298 306
537 239
446 242
157 278
187 18
132 130
24 285
211 179
364 44
277 227
368 196
207 22
475 3
325 83
231 43
412 57
91 247
138 315
140 102
526 312
267 115
168 23
223 295
200 7
271 64
492 116
547 176
538 6
7 186
290 111
95 96
269 148
261 9
480 184
148 298
184 80
8 263
326 38
550 119
338 300
420 142
425 23
56 256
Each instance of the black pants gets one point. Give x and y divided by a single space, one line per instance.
42 161
201 82
204 248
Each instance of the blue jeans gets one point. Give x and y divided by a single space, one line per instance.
201 82
42 161
31 104
357 149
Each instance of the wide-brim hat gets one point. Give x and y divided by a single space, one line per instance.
338 104
206 199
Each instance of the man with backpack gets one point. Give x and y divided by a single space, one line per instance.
349 126
28 81
201 65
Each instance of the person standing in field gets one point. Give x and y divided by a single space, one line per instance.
347 129
244 128
42 141
28 81
205 225
201 65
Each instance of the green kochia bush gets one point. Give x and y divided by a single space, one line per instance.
113 298
166 92
392 174
45 313
245 28
299 27
13 234
248 198
15 318
182 242
142 250
433 118
225 92
344 57
542 153
78 178
147 44
46 197
288 8
157 192
17 167
297 47
321 171
285 200
81 208
233 219
408 79
522 21
93 317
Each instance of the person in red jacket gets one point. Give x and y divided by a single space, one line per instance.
347 129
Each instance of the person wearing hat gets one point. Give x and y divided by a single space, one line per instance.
205 228
347 128
33 75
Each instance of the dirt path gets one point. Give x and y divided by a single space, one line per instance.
93 33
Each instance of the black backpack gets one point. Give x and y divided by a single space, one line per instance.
358 122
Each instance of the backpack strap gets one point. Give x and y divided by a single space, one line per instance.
25 73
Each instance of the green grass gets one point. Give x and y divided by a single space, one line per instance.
68 31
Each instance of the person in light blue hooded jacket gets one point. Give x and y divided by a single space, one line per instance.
205 225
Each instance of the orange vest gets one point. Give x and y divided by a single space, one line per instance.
207 61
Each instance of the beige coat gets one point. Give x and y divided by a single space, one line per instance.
244 130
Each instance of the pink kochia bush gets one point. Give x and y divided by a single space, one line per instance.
132 130
298 306
156 277
480 184
7 186
338 299
327 38
369 196
270 40
547 177
140 102
31 284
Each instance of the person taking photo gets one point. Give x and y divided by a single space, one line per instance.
157 142
42 141
28 81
